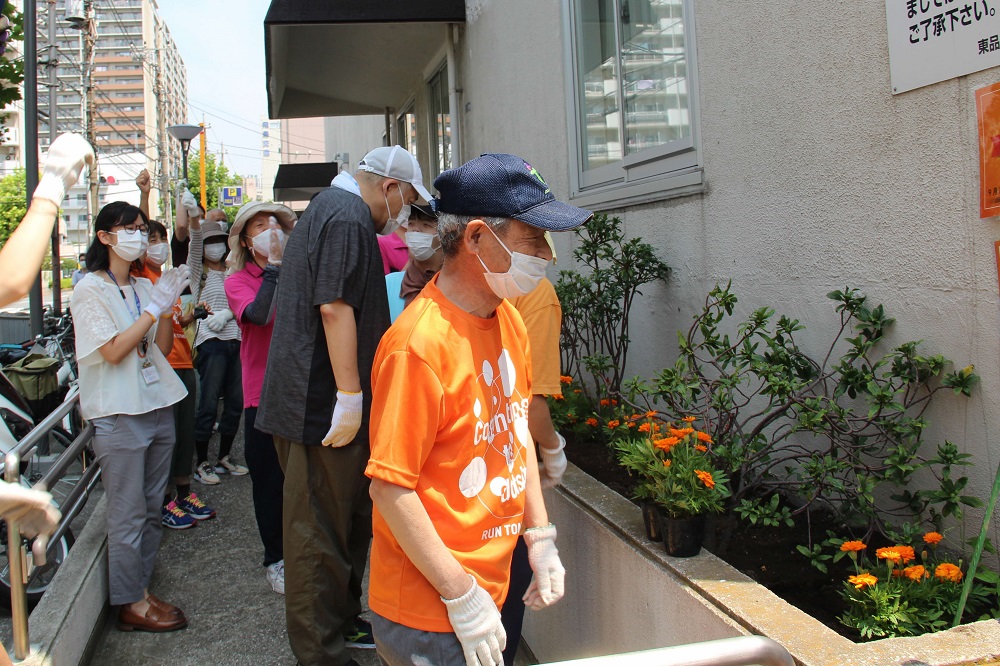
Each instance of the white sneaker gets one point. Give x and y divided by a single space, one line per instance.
276 576
227 466
205 474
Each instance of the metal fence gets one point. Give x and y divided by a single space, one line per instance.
21 562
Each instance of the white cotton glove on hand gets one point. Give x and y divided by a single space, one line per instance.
67 156
190 204
346 419
32 509
166 292
477 625
218 320
546 586
276 249
553 463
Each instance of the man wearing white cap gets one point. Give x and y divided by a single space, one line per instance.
316 396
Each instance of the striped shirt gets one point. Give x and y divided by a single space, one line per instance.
213 292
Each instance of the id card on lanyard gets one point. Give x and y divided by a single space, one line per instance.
149 373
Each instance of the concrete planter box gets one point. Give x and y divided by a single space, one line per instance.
624 594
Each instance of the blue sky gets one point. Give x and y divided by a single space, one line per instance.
222 45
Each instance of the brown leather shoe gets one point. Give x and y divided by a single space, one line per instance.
155 620
164 606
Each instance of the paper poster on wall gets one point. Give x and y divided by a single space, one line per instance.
988 113
937 40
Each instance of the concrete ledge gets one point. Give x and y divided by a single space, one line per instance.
73 609
624 594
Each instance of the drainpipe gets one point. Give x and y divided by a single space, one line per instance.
451 39
388 126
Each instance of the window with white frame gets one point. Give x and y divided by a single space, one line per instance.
635 126
440 122
406 129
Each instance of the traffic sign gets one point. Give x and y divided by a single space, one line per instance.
231 196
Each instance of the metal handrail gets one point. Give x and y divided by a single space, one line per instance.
740 651
18 559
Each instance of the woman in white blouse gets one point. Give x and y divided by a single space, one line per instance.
127 388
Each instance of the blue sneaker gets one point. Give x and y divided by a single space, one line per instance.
195 508
360 635
175 518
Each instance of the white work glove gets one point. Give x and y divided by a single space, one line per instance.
546 586
476 621
218 320
32 509
346 419
553 464
190 204
67 156
276 249
166 292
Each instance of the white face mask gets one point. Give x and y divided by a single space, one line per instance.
262 241
421 244
131 244
157 254
402 217
215 251
521 278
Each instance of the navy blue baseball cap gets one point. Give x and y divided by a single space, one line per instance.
501 185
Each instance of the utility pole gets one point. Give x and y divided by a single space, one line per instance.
162 145
89 37
52 66
201 153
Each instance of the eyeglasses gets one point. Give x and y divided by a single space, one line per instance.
134 226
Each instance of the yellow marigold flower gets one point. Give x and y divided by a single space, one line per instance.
592 422
688 419
700 447
704 437
906 553
705 477
665 444
852 546
863 580
565 379
916 572
890 554
933 538
644 427
666 463
947 571
614 423
651 414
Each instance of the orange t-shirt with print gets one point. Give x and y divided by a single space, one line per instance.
542 315
450 396
179 357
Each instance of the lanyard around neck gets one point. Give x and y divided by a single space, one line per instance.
135 295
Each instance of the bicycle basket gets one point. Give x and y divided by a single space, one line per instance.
36 378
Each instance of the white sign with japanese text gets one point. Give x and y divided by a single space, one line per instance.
937 40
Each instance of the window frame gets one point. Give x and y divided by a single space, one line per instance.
667 171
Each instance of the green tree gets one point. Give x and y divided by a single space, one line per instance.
11 70
216 175
12 203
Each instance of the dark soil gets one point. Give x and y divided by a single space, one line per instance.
766 554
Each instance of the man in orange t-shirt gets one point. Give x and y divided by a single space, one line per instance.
454 474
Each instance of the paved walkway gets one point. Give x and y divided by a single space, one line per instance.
214 573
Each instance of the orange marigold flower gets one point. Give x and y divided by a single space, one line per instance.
651 414
907 554
705 477
592 422
681 432
665 444
630 424
704 437
557 396
565 379
614 402
688 419
700 447
577 391
916 572
890 554
614 423
933 538
666 463
656 427
947 571
605 402
863 580
852 546
644 427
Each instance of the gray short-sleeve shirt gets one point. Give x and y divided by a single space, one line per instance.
332 254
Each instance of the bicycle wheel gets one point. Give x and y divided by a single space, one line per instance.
41 577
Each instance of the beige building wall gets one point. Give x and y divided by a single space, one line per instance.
352 136
816 177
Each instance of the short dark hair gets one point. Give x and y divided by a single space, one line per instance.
113 215
156 228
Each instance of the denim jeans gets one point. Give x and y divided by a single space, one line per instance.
221 376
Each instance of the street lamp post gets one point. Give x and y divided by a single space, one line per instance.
185 134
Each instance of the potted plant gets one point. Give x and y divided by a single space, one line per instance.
677 474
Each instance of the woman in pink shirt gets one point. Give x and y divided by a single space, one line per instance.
256 245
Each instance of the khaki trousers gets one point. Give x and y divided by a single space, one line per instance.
327 525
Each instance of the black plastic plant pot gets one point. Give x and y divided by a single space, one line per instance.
682 537
651 521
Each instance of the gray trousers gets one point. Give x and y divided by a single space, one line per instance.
134 454
399 645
